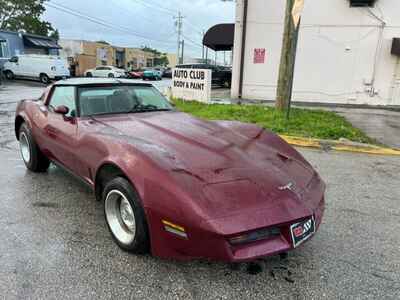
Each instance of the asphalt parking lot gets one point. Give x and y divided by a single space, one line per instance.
55 244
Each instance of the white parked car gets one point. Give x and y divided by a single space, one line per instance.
106 71
42 67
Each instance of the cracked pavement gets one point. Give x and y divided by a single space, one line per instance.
55 244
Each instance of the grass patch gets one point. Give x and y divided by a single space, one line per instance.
303 122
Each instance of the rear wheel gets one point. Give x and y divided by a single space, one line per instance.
227 84
125 216
89 74
44 78
33 158
9 75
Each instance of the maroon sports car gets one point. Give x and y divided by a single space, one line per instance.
173 184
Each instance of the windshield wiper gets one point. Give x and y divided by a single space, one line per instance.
147 108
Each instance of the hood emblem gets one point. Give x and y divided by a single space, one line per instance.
290 186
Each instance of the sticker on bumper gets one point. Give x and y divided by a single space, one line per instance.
302 231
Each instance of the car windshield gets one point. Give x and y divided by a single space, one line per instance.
121 99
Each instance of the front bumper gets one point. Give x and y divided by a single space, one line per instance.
205 244
150 76
61 77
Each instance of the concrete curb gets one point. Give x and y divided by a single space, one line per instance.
341 145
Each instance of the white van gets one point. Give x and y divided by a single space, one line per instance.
42 67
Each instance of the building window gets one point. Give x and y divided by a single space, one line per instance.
134 63
149 62
4 50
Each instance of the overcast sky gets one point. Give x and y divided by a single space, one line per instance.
136 19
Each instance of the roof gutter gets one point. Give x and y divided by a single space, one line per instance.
242 51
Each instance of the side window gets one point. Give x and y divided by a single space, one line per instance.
4 49
14 59
64 95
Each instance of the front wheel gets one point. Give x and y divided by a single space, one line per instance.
44 78
125 216
111 75
33 158
9 75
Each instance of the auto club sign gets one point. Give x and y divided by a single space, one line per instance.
192 84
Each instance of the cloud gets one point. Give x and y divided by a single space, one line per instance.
136 19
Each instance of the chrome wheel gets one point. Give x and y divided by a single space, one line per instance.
120 217
25 147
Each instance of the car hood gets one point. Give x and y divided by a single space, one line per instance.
230 164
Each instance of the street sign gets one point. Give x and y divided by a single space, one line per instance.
192 84
297 10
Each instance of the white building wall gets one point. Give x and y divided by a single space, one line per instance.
337 49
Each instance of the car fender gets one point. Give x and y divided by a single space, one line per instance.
151 170
22 115
126 167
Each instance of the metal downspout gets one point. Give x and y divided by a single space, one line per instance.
242 53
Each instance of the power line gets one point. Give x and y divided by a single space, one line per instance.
158 7
100 21
150 20
198 29
193 42
169 12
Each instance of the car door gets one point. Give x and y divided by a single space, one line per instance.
31 67
60 131
107 70
216 75
99 72
14 65
96 72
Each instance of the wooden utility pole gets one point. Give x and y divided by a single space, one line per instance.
288 55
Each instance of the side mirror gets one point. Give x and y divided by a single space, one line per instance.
62 110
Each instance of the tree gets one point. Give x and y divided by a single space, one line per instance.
25 14
103 42
160 59
151 50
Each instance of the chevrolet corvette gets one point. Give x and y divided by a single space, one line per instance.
173 185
